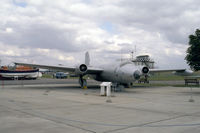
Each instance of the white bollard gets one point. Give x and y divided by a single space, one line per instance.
105 89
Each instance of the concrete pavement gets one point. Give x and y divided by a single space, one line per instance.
61 108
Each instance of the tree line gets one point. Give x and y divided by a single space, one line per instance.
193 51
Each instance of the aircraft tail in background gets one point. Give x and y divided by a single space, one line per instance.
87 59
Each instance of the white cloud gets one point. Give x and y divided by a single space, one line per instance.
9 30
62 30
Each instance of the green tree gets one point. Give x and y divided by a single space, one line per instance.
193 51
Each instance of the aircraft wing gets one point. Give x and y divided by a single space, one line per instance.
166 70
90 70
58 68
180 72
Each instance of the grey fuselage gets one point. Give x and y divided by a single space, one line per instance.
124 73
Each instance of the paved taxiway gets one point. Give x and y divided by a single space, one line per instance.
49 107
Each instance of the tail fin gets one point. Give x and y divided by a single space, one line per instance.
87 59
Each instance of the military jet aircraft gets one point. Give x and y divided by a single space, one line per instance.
123 73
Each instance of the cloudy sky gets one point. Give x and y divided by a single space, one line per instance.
60 31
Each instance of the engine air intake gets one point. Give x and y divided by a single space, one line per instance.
83 68
145 70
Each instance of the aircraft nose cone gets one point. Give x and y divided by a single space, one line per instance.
136 75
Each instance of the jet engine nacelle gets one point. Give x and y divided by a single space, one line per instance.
81 69
137 74
145 70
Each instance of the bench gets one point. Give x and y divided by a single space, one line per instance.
191 80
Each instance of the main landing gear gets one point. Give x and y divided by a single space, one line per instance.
83 82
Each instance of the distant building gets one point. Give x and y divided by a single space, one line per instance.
140 60
144 60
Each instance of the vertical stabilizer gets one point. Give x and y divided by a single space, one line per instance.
87 59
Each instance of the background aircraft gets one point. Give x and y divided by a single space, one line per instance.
123 73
